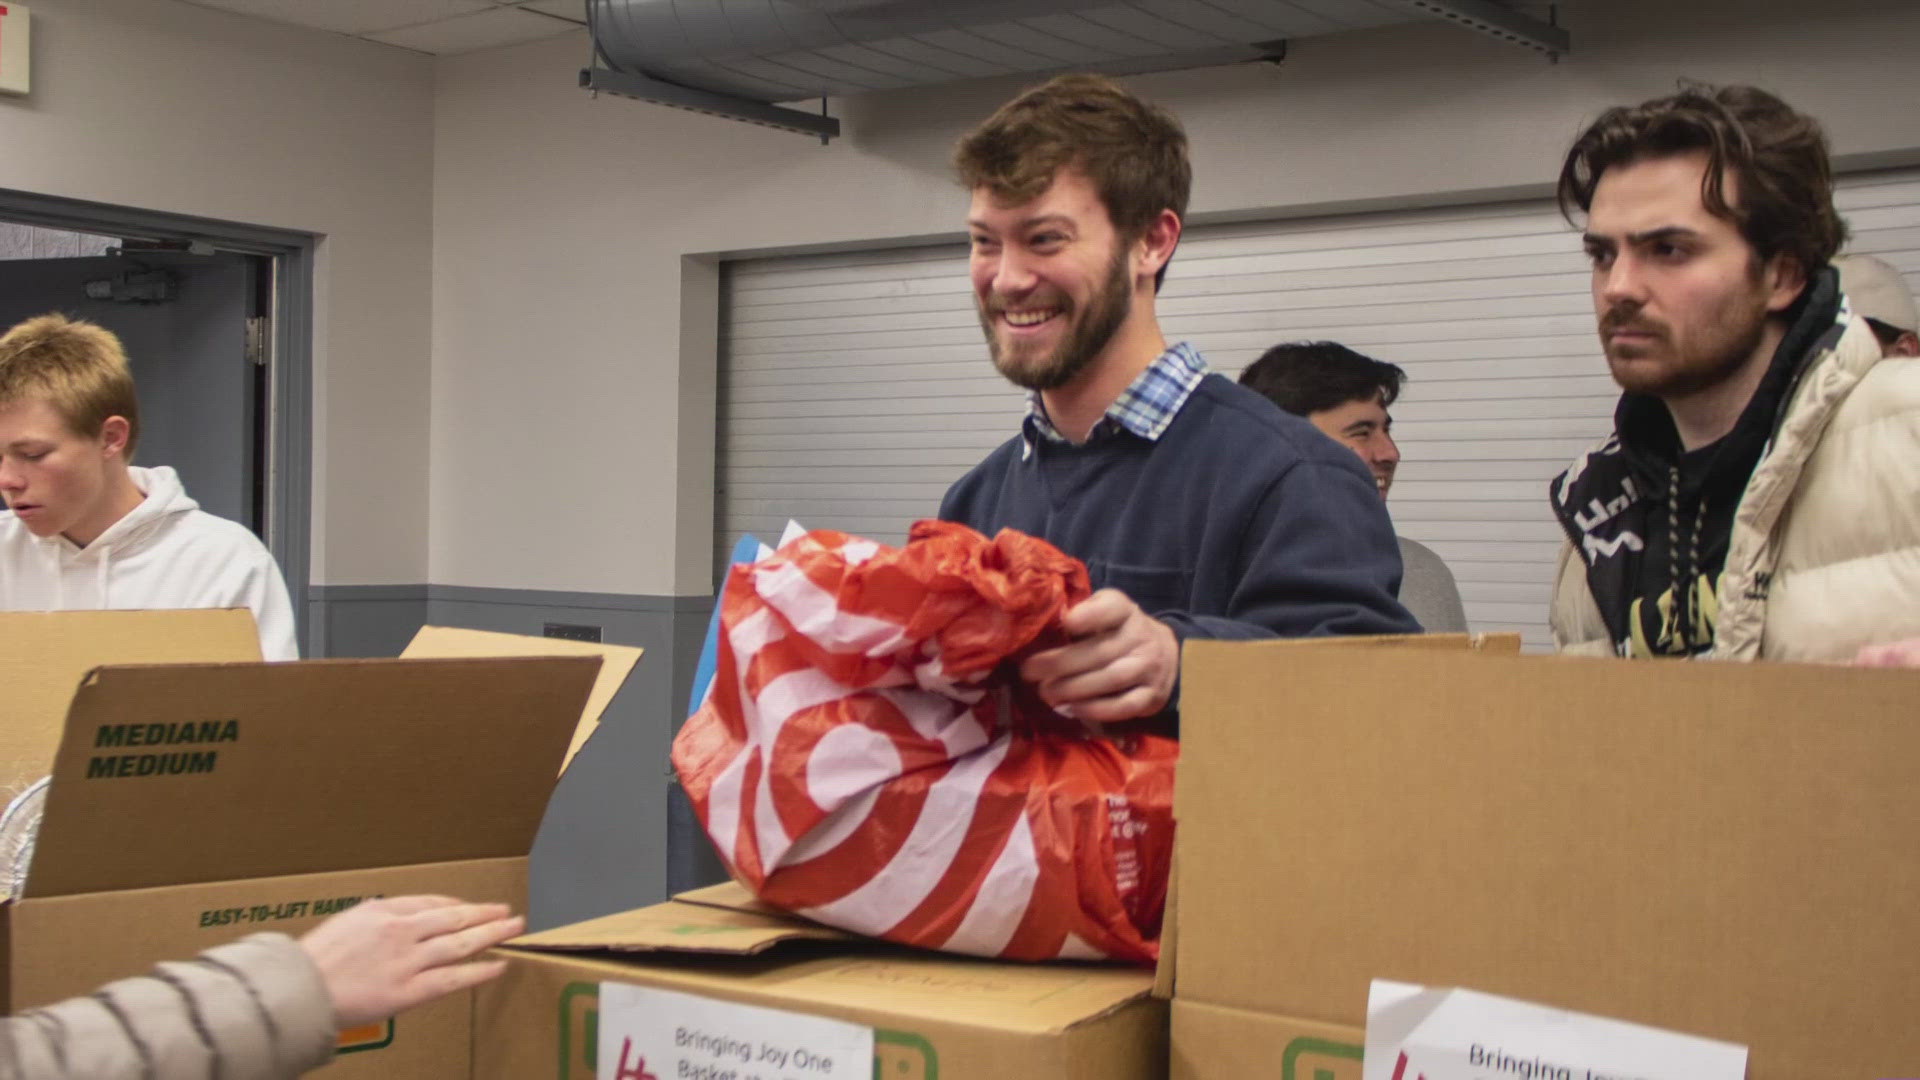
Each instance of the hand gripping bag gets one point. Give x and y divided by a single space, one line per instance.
867 758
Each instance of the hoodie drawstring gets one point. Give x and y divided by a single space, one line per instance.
51 550
1682 588
105 576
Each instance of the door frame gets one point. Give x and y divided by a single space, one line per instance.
289 462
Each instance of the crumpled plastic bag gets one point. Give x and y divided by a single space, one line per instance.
867 757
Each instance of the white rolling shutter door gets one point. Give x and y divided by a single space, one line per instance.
855 387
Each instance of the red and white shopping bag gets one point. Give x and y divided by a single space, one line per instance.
867 758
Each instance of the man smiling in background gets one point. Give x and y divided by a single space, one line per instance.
1346 395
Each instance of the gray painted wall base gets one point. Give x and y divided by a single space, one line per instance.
605 843
363 620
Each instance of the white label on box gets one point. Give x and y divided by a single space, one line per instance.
1415 1033
648 1034
16 28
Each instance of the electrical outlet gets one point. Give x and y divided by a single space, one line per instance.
573 632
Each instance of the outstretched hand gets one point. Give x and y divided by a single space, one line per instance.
1121 665
383 957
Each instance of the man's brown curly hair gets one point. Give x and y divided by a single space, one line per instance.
1135 154
1775 157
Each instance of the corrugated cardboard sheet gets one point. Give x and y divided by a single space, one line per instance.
1726 850
212 772
1486 644
44 655
196 802
935 1017
617 661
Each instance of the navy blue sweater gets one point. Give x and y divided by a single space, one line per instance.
1241 521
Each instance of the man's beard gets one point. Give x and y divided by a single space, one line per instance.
1724 345
1092 330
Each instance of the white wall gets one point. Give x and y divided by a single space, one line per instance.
573 340
535 242
164 106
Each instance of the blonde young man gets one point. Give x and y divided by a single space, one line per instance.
86 529
1200 510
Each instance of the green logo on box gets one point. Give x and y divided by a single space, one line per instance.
897 1055
1320 1059
579 1030
902 1055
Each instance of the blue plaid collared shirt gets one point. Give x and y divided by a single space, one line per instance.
1146 406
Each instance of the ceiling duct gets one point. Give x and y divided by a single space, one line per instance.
738 58
1499 22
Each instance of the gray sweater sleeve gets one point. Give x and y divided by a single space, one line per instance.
1427 589
251 1010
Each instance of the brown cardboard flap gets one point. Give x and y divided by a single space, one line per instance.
1166 973
617 663
1494 644
683 928
204 772
69 945
45 654
971 1017
731 894
1721 849
1209 1041
662 945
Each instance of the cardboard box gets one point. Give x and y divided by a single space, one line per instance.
44 655
616 663
193 803
1719 849
1212 1041
934 1017
1498 644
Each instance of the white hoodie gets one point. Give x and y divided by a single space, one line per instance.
166 553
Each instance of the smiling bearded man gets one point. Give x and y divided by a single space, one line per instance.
1200 509
1030 364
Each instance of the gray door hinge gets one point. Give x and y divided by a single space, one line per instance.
257 340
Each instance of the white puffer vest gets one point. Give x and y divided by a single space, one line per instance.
1824 556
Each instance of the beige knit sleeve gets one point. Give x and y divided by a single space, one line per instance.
251 1010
